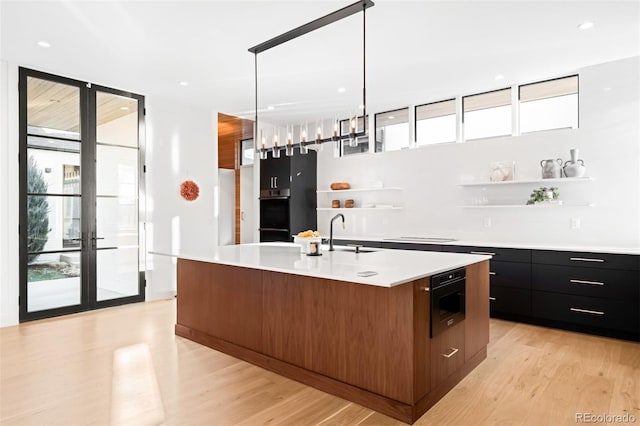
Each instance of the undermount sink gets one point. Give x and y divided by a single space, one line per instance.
353 249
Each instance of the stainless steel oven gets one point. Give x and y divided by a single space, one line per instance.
447 300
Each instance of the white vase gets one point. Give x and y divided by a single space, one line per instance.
575 167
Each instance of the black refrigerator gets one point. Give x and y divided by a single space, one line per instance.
288 198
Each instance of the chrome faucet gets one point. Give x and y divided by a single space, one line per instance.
331 229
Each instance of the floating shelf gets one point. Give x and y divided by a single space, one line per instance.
511 206
358 190
517 182
357 208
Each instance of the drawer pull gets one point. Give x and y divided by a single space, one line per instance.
586 259
486 253
492 298
586 311
586 282
492 273
425 289
452 353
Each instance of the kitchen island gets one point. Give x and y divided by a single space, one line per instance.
319 321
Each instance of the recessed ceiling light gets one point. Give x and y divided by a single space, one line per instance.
499 77
184 83
124 108
586 25
44 44
271 107
341 90
392 117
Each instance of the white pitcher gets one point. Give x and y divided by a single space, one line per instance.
551 168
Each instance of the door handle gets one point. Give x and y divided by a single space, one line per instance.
586 282
241 215
450 354
94 239
275 180
271 183
81 239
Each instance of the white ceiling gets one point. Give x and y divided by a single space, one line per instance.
417 51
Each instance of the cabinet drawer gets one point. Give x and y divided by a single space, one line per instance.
587 260
502 254
447 353
510 300
510 274
594 282
621 315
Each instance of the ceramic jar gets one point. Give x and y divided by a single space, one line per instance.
575 167
551 168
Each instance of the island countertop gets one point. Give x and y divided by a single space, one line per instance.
392 267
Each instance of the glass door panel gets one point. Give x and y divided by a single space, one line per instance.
53 196
53 248
79 196
117 273
117 171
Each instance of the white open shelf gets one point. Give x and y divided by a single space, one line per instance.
536 181
358 190
358 208
512 206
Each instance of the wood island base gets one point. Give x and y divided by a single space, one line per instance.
367 344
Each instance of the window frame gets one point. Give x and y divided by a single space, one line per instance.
415 121
519 87
462 112
375 129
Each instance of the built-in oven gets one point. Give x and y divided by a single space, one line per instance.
447 300
274 219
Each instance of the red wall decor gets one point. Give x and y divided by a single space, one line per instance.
189 190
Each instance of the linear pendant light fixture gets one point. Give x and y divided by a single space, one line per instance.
359 6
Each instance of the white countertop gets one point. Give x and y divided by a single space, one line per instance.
393 267
534 246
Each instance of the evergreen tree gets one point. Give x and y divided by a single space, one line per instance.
37 209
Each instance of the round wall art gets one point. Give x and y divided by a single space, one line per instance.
189 190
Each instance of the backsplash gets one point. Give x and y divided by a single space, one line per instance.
433 202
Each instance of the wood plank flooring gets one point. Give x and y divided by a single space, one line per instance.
125 366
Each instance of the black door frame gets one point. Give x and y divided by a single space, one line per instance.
88 250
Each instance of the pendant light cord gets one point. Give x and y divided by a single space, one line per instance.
364 67
255 125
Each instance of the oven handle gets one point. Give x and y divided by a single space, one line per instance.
452 353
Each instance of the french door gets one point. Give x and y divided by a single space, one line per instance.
81 186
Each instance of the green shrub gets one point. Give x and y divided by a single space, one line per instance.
37 209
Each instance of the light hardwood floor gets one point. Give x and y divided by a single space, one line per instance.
124 365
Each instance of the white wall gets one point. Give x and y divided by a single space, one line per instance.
8 194
181 143
608 141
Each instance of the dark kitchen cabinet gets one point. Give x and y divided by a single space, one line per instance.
287 195
597 293
275 173
509 279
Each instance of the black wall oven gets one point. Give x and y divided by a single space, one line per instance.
447 300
